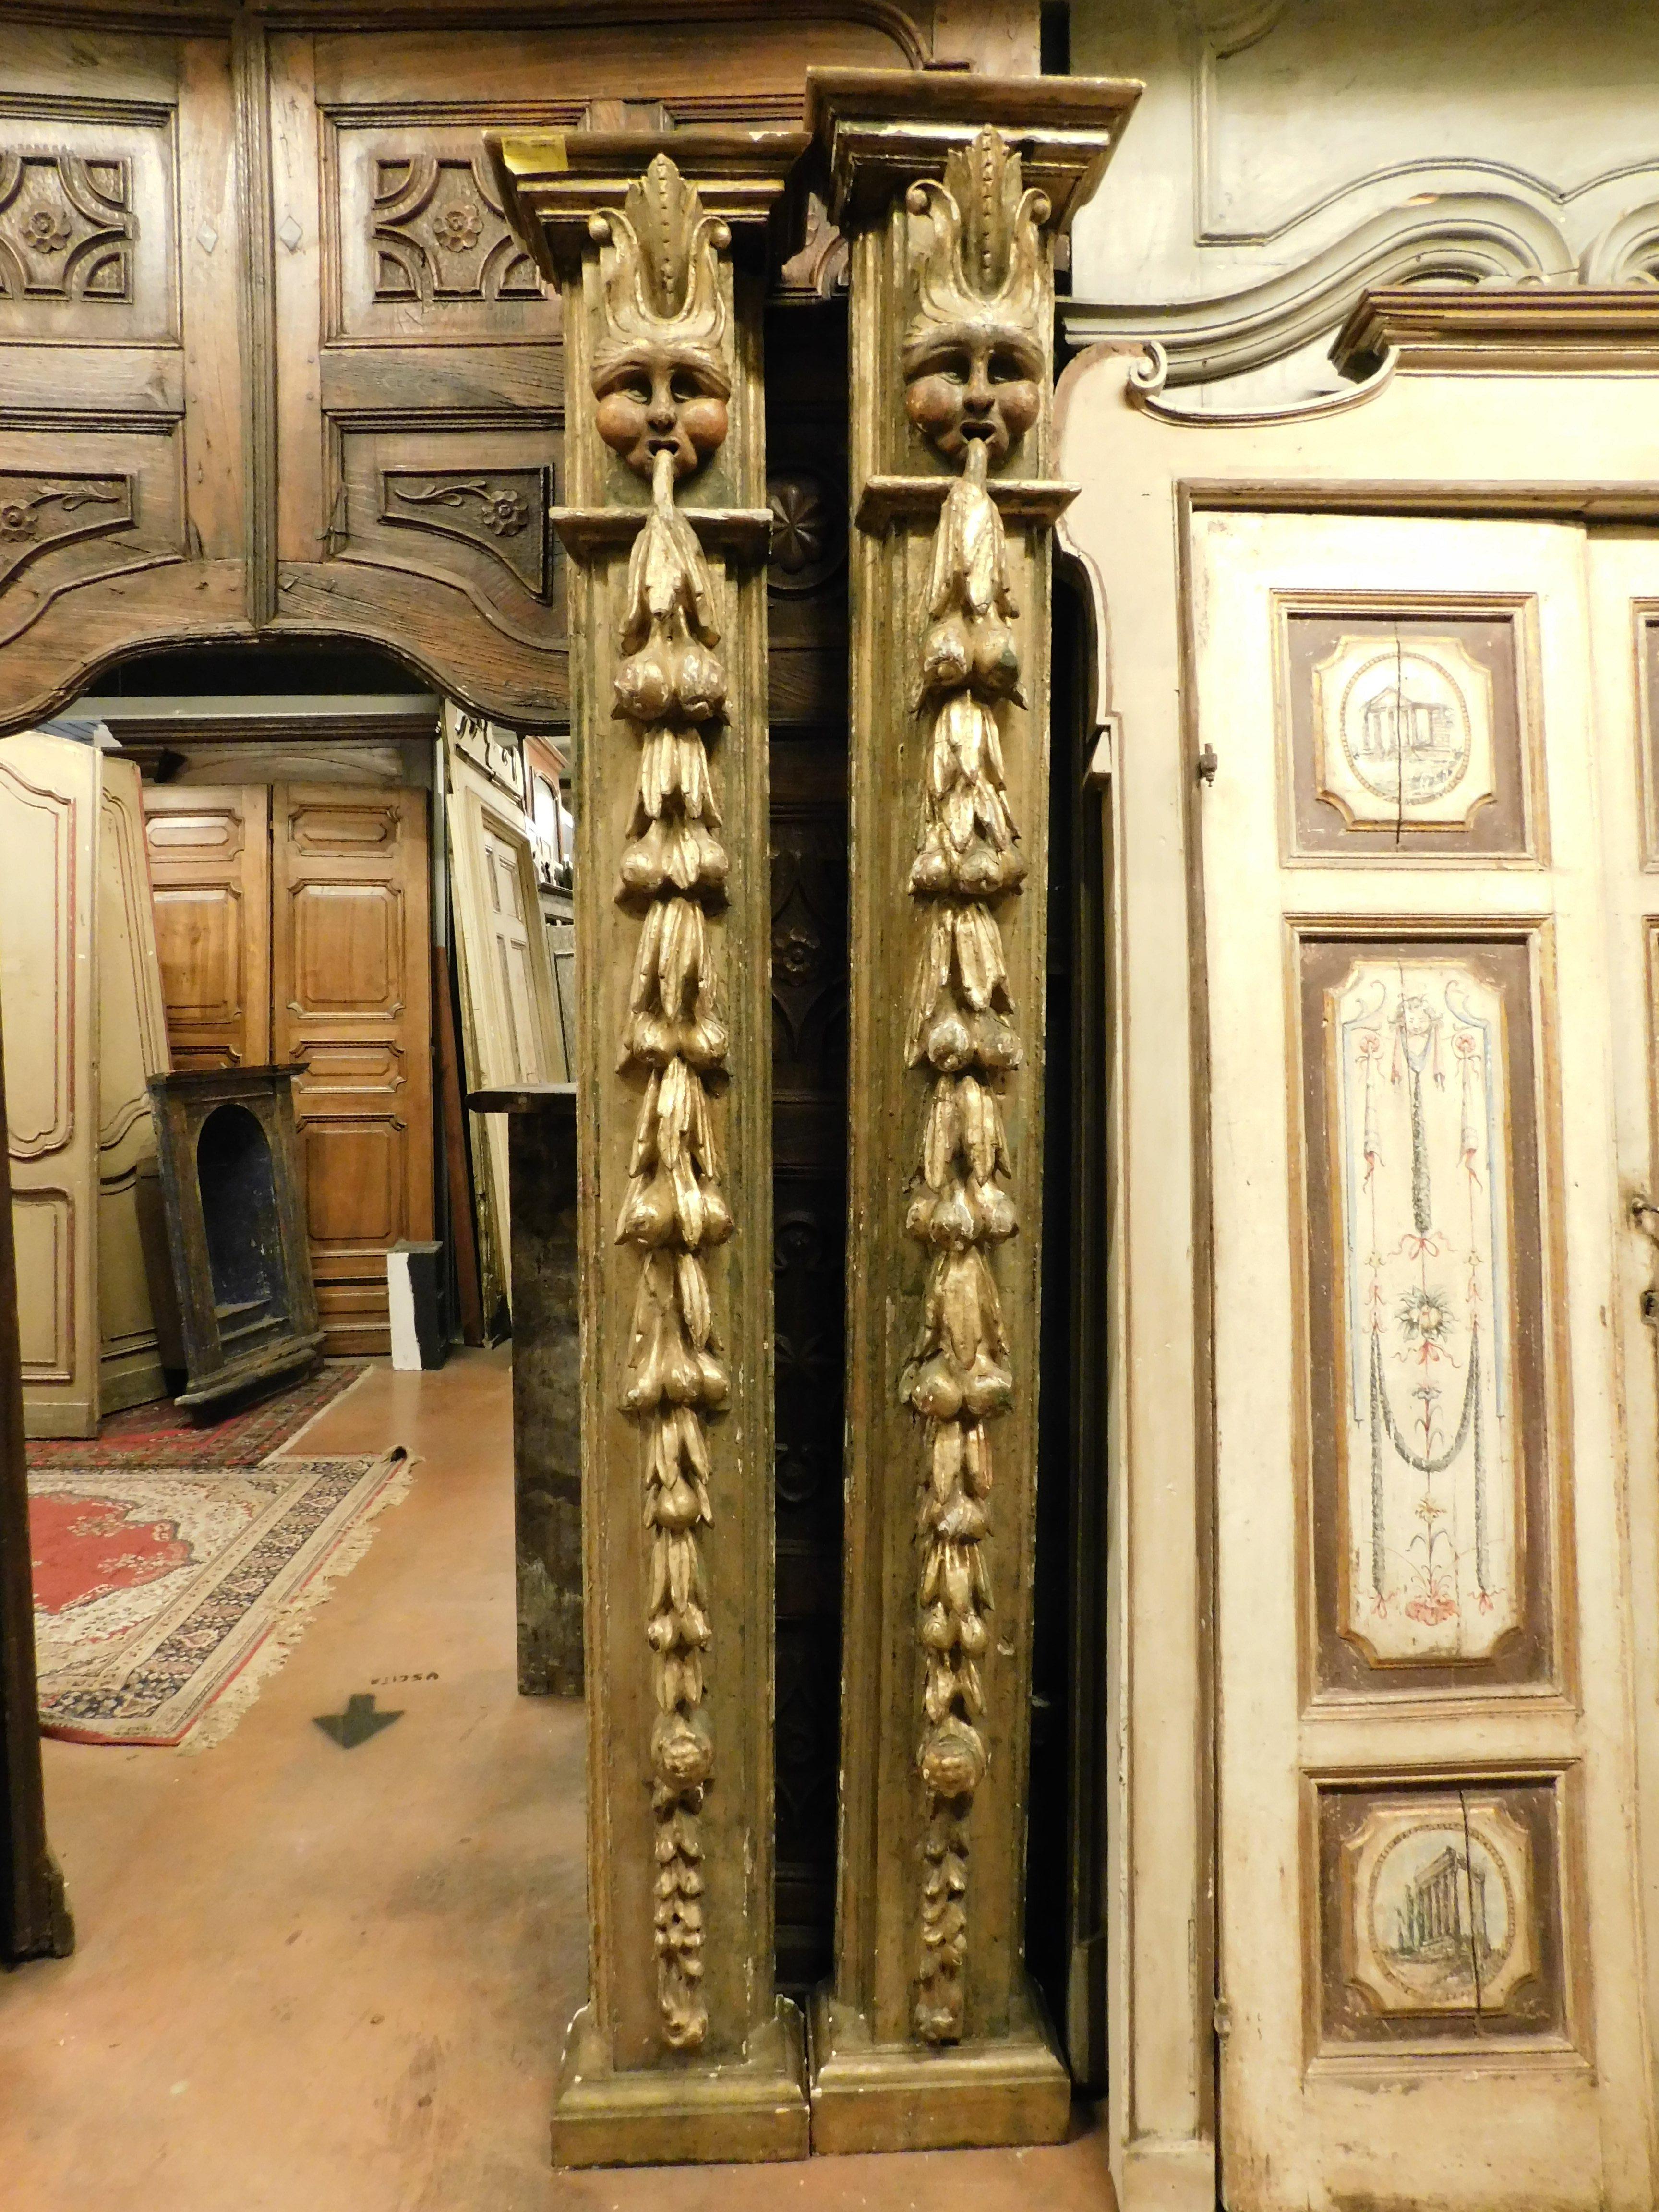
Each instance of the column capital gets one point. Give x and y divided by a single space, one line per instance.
553 181
876 132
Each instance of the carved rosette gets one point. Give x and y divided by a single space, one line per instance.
972 361
660 357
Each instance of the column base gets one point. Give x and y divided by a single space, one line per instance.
739 2112
911 2096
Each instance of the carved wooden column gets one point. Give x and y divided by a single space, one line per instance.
660 246
953 190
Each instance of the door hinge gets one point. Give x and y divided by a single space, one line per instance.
1650 1308
1207 765
1223 2018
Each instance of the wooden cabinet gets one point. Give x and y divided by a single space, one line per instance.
293 928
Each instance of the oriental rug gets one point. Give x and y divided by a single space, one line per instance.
160 1435
164 1597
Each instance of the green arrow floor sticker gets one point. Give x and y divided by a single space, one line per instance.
357 1722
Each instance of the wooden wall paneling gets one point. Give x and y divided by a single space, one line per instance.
210 867
931 2032
509 1018
419 379
132 1045
351 1014
99 549
34 1916
48 894
682 2051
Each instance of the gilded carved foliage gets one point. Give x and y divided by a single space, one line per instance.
973 366
661 377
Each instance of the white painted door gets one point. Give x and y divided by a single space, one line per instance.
48 903
1430 1951
508 1012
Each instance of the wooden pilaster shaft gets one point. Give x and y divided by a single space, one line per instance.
682 2052
931 2034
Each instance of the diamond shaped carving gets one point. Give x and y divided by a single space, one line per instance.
66 227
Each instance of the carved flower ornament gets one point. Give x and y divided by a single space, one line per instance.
458 228
505 513
47 231
16 520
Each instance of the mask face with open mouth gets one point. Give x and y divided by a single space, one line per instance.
663 397
974 383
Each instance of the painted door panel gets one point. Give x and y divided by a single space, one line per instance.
1425 1762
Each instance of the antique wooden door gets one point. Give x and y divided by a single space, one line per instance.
351 1014
292 925
1428 1948
210 867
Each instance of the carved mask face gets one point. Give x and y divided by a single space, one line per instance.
662 397
964 384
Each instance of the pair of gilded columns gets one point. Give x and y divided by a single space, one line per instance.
952 191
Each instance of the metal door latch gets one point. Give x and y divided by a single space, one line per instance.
1207 765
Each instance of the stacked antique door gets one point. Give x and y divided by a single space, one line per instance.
292 927
83 1003
1421 751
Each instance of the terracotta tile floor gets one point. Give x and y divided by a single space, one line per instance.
311 1980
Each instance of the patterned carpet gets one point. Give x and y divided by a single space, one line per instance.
164 1596
161 1436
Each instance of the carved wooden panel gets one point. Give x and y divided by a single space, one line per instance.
210 862
88 221
117 511
66 227
503 511
469 514
350 969
418 224
39 511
